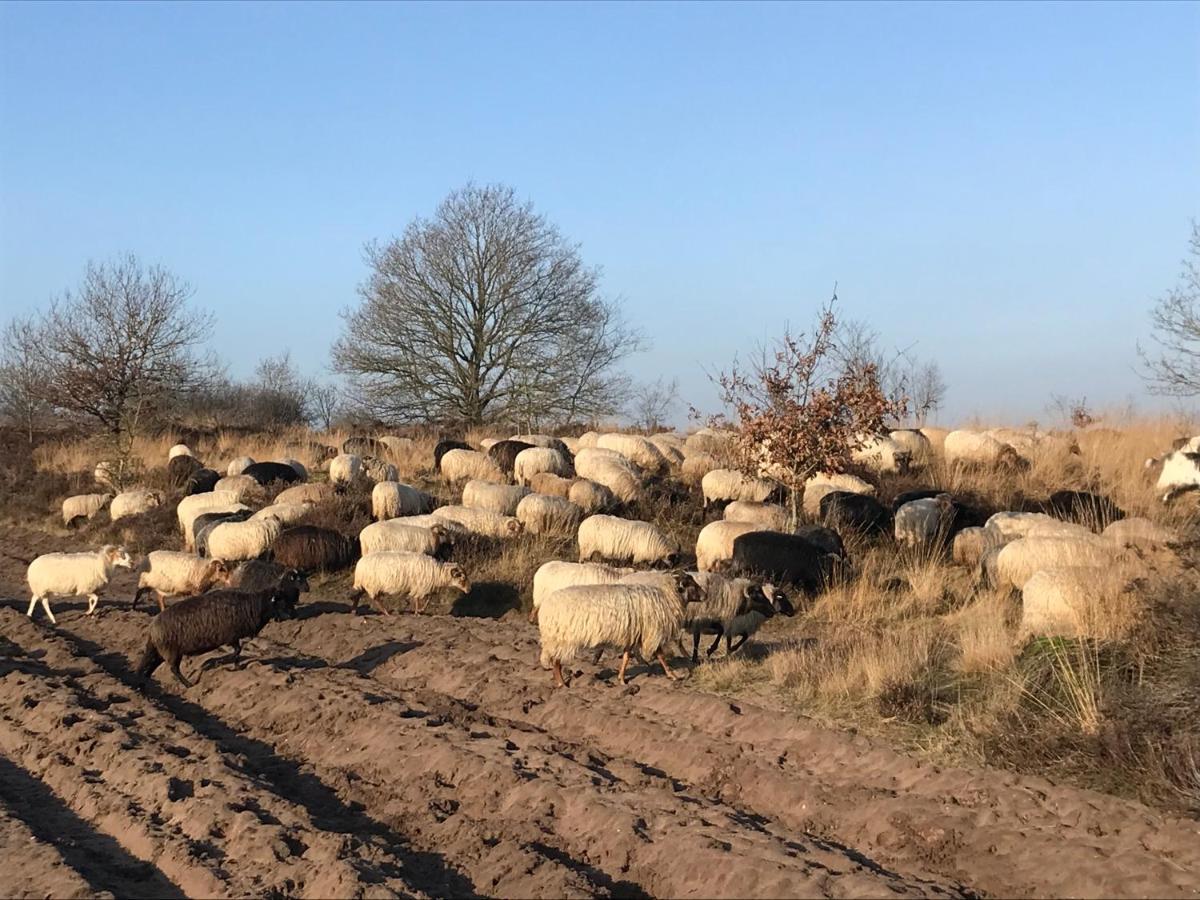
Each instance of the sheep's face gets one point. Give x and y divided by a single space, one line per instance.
671 559
119 557
689 591
754 599
513 527
778 599
458 579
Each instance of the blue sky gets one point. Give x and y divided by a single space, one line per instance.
1005 186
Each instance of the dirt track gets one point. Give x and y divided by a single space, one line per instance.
429 757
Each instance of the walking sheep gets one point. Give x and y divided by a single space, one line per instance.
557 574
190 508
309 548
628 616
390 499
714 544
625 540
133 503
73 575
243 540
169 573
412 575
83 506
397 534
725 600
501 499
786 559
543 514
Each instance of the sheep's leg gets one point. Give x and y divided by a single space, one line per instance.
716 643
173 661
162 601
599 656
237 653
696 647
32 604
93 599
666 669
624 663
558 679
742 638
49 614
378 604
532 615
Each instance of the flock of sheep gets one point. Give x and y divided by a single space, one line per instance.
242 566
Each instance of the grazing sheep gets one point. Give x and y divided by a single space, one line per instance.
823 538
413 575
463 465
216 619
921 523
359 445
1082 507
206 522
202 481
714 544
396 534
972 544
265 473
883 455
1062 600
286 513
747 624
239 465
641 452
379 470
816 487
972 450
694 467
181 468
843 511
488 443
725 599
134 503
616 474
169 573
1007 526
306 493
344 468
441 448
243 485
591 496
309 548
83 506
551 484
497 498
543 514
768 516
213 501
179 450
504 454
243 540
390 499
547 441
917 445
73 575
480 522
556 574
586 440
723 485
540 459
1017 562
785 559
935 436
629 616
625 540
1140 532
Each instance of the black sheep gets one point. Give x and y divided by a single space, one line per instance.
309 548
266 472
825 538
216 619
180 469
441 448
204 524
843 510
504 454
255 575
1083 507
782 559
201 481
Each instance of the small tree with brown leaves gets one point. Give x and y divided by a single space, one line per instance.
802 409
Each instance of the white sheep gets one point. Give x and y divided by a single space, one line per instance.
463 465
768 516
707 440
628 616
179 450
881 454
714 544
396 446
239 465
544 514
487 443
170 573
1062 600
306 493
1017 562
1140 532
106 473
728 484
541 440
972 544
190 508
480 522
413 575
625 540
390 499
73 575
243 540
696 465
379 470
816 487
286 513
586 440
641 452
344 468
134 502
554 485
614 472
920 523
497 498
918 446
396 534
452 530
556 574
536 460
245 486
969 448
591 497
1008 526
83 506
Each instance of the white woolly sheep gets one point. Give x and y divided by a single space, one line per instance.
169 573
696 465
412 575
198 504
133 503
768 516
73 575
480 522
239 465
918 446
707 440
306 493
968 448
920 523
618 475
586 440
728 484
627 616
379 470
106 473
1063 601
591 496
1018 561
1008 526
714 544
972 544
487 443
497 498
286 513
463 465
397 534
637 450
549 483
344 468
243 540
83 506
556 574
544 514
542 440
390 499
881 454
540 459
396 446
572 444
179 450
816 487
244 486
1140 532
935 436
452 530
625 540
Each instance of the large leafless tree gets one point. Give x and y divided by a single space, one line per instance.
484 312
1173 363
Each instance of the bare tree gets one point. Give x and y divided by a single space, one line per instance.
280 395
653 402
909 382
484 312
23 376
925 389
1172 367
326 402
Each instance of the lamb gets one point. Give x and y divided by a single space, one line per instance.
768 516
504 454
591 497
540 459
625 540
309 548
498 498
243 540
441 448
414 575
390 499
1017 562
463 465
637 450
239 465
786 559
714 544
969 449
286 513
264 473
725 600
179 450
556 574
723 485
881 454
395 534
73 575
169 573
551 484
618 475
216 619
543 514
480 522
921 523
206 522
306 493
344 468
244 486
379 470
213 501
816 487
182 468
133 503
629 616
83 506
201 481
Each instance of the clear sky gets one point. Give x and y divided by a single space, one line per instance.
1006 186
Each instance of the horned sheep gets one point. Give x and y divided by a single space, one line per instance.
73 575
625 540
726 600
83 506
170 573
414 575
181 468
